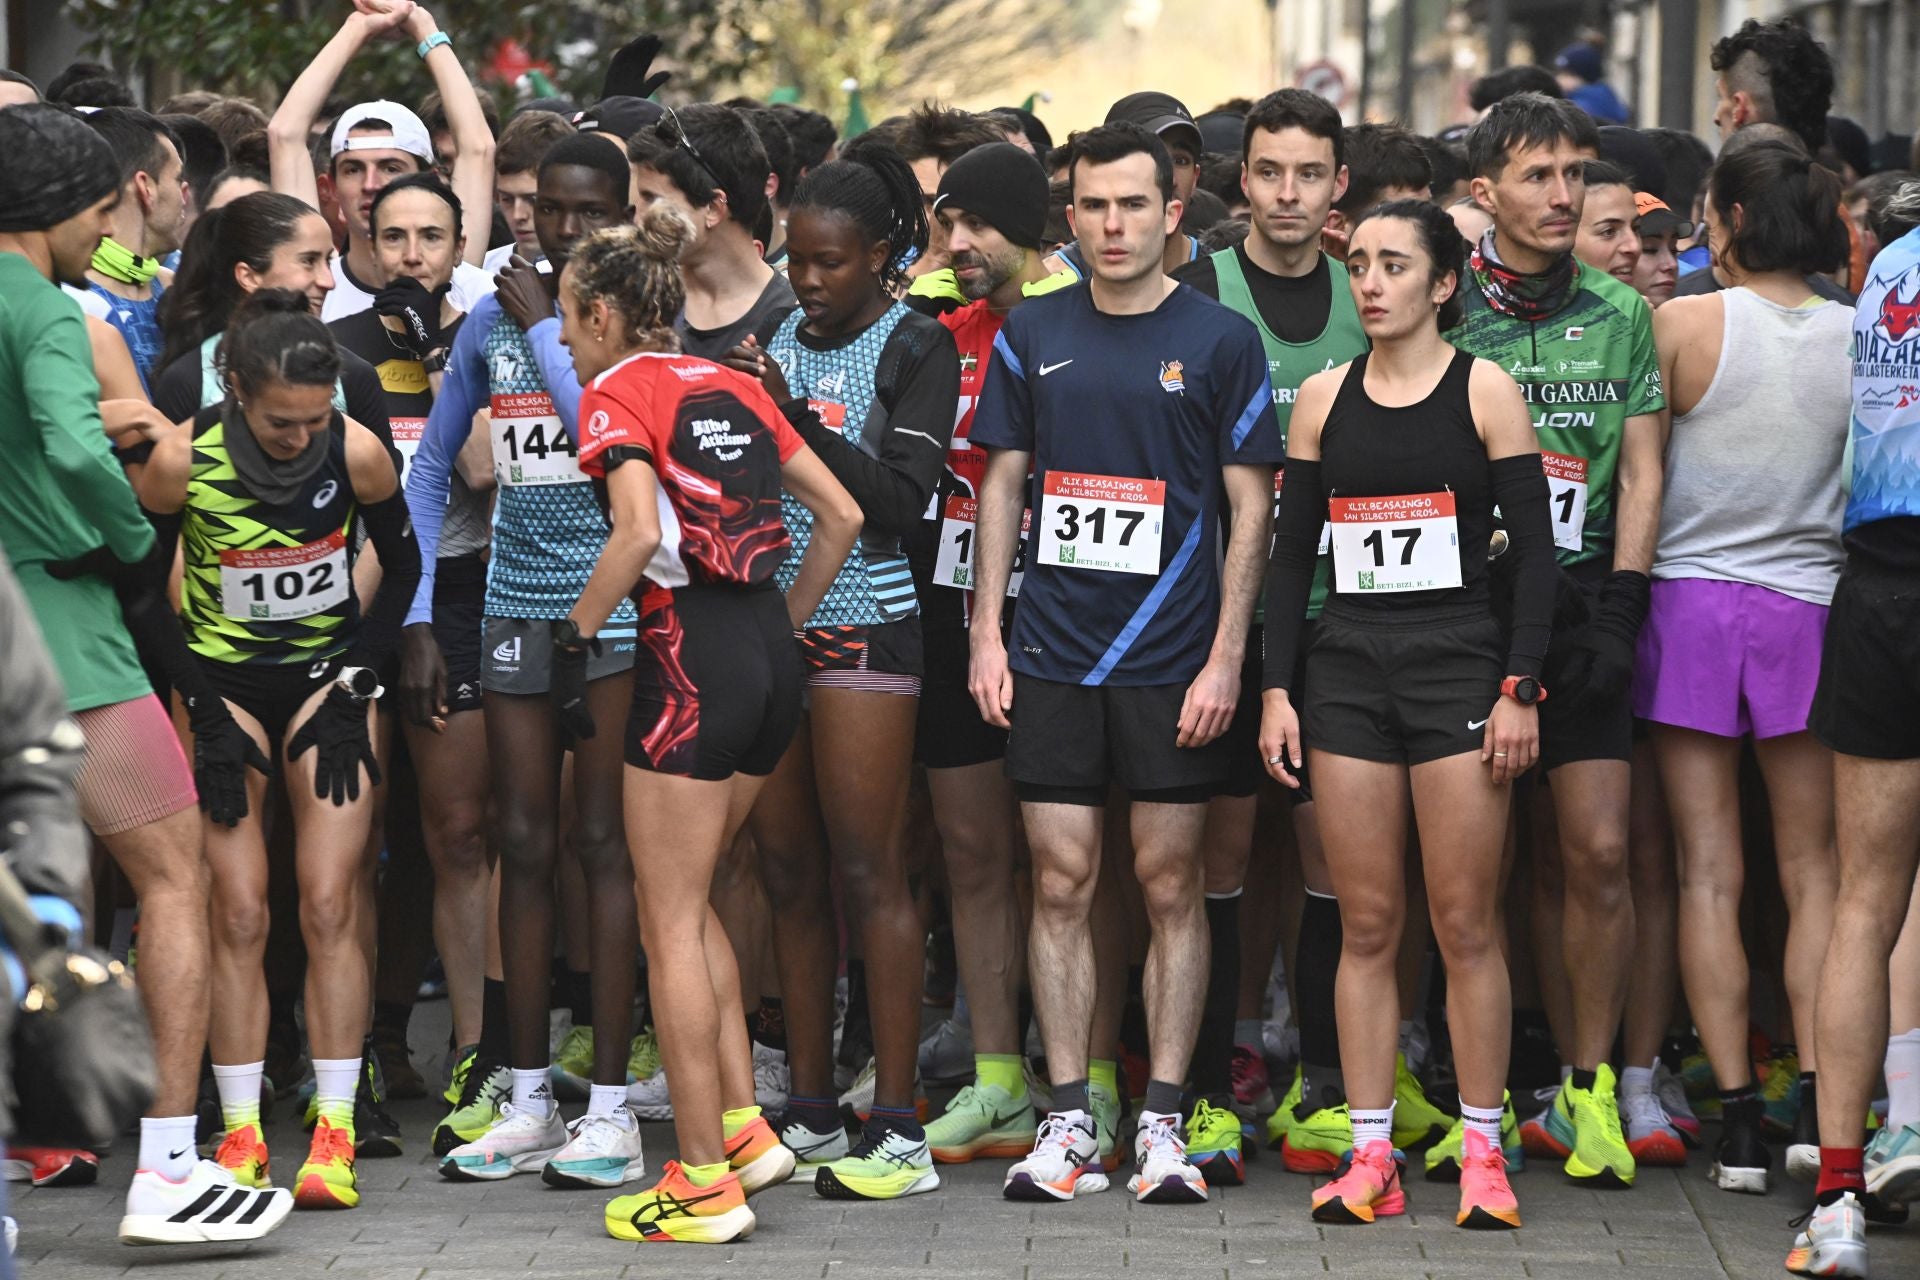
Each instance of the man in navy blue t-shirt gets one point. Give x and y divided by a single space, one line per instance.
1140 406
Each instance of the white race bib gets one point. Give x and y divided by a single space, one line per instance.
1111 523
1566 498
529 444
953 564
281 584
1406 543
406 438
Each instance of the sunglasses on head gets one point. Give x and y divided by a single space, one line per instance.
677 134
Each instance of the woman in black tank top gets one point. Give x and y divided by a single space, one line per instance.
1412 688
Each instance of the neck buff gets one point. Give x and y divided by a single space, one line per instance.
117 262
270 480
1514 293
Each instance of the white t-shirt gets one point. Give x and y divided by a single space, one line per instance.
470 284
90 302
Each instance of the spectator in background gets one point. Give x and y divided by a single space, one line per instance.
516 177
1384 163
16 89
1448 162
1507 81
234 119
813 137
1867 206
1581 69
433 113
1847 153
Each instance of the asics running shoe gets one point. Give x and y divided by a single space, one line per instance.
812 1149
1833 1242
1415 1120
601 1151
1163 1172
1600 1157
1486 1200
1741 1162
1892 1165
53 1166
1369 1189
523 1140
1252 1089
982 1120
487 1089
201 1208
572 1069
1213 1144
327 1180
1104 1104
243 1153
1444 1157
649 1099
946 1053
771 1081
674 1210
886 1165
1064 1163
1651 1136
759 1158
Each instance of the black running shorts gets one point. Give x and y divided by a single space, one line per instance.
1070 742
459 608
1246 768
1416 691
951 733
1868 700
1577 723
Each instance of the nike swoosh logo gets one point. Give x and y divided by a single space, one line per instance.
1046 369
175 1155
1475 724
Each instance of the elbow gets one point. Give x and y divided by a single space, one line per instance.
284 134
478 151
845 520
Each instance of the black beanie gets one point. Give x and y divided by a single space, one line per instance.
56 167
1003 185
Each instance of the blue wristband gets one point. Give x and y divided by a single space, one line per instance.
431 43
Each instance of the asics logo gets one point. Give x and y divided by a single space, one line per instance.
1046 369
326 493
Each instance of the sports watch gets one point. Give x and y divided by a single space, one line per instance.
362 684
1524 689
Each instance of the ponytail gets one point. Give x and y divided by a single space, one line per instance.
204 292
874 187
1790 214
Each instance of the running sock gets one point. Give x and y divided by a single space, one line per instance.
1635 1081
1002 1070
1317 957
166 1144
392 1014
1840 1172
1024 1011
769 1024
821 1115
334 1082
732 1122
1741 1105
1212 1063
1582 1079
580 997
1071 1096
493 1020
1372 1126
1903 1079
1320 1087
533 1093
705 1175
1104 1072
904 1121
1247 1031
1481 1121
1163 1098
1808 1102
603 1098
239 1088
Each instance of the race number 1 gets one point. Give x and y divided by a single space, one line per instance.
1406 543
281 584
953 567
1566 498
529 444
1111 523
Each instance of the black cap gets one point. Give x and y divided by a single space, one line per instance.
1002 184
1223 132
1160 113
1030 125
620 116
1634 152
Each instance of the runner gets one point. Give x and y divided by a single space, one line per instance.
1608 238
717 694
148 224
516 180
267 488
1375 734
930 138
1580 343
1384 162
1661 230
547 534
1123 594
1167 118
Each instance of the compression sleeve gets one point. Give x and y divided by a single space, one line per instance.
1520 490
449 423
391 532
1296 547
556 370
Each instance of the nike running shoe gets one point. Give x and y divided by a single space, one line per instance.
1164 1174
771 1080
1892 1165
1834 1241
1213 1144
946 1053
201 1207
53 1166
1741 1162
759 1158
458 1068
327 1180
1486 1200
1369 1189
812 1149
1600 1157
1548 1135
1064 1163
1318 1140
1444 1157
674 1210
243 1153
1282 1118
523 1140
886 1165
572 1069
1780 1092
397 1072
1252 1089
643 1056
601 1151
488 1088
1674 1101
1415 1120
649 1099
1104 1104
1803 1148
1651 1136
983 1120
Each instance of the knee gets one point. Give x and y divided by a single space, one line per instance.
979 863
239 922
872 884
1370 929
328 911
1170 892
1059 891
1467 932
1598 871
526 851
462 839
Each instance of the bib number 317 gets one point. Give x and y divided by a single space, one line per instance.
1110 523
1410 542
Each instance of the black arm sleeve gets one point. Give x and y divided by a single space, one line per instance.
392 535
1296 545
1520 490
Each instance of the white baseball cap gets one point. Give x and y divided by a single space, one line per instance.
408 131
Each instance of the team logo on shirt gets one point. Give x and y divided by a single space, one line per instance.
1897 318
597 425
1172 379
326 493
969 362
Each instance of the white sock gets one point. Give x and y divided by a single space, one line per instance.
166 1146
239 1088
1903 1079
532 1093
1636 1080
603 1098
334 1079
1477 1120
1372 1126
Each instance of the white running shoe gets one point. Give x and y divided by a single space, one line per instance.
521 1141
771 1081
1165 1174
1834 1241
1672 1092
13 1235
649 1100
204 1207
602 1151
946 1053
812 1149
1065 1161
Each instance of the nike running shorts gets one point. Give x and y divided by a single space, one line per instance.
1416 690
1868 699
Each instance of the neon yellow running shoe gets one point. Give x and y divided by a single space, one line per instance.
572 1070
643 1058
327 1180
885 1165
1415 1120
1600 1156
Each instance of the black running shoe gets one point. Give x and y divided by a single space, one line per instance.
376 1134
1741 1162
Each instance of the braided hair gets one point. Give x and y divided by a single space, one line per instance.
871 185
636 271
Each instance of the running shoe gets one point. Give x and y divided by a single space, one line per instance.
1444 1157
674 1210
1803 1148
376 1132
1164 1173
1892 1165
402 1079
1833 1242
1600 1157
643 1055
601 1151
1104 1103
856 1102
459 1064
522 1140
1780 1092
1549 1134
1486 1199
243 1153
201 1207
433 982
327 1180
53 1166
1064 1162
1282 1118
1415 1120
1319 1138
759 1158
649 1099
1651 1136
1369 1189
1213 1144
812 1149
487 1089
886 1165
982 1120
572 1069
1252 1088
946 1053
770 1078
1674 1101
1741 1162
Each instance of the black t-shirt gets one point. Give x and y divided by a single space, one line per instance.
177 392
1294 308
404 388
775 303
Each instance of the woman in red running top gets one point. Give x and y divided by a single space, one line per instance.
692 457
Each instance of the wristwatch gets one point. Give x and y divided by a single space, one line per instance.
1524 689
362 684
566 635
435 362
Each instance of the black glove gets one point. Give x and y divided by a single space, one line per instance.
222 754
147 572
1602 659
418 310
627 73
567 687
338 727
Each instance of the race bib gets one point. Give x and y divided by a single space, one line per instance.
1566 498
1111 523
406 438
281 584
1406 543
1326 530
953 566
529 444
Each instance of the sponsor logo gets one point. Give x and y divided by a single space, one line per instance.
508 651
1046 369
326 493
1172 379
1476 724
692 372
717 436
598 423
969 362
832 383
1897 318
317 670
1575 333
1576 391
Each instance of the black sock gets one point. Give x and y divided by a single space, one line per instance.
1071 1096
1317 958
580 997
822 1115
1582 1079
1213 1048
1133 1017
392 1014
1162 1098
493 1021
1741 1106
769 1024
904 1121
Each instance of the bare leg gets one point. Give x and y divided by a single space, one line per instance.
1167 860
453 819
792 848
1656 907
1799 774
1590 798
1065 840
975 811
